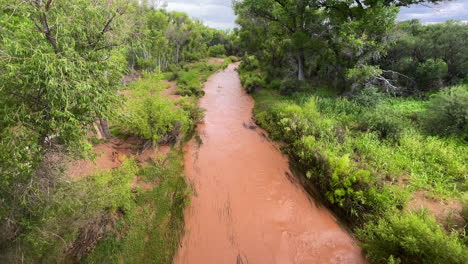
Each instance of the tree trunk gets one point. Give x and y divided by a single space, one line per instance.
102 128
177 53
159 62
300 65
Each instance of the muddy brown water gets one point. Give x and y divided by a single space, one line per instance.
244 209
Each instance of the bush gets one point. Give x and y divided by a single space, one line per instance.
385 122
431 72
152 118
410 238
290 86
233 59
226 63
368 96
252 81
217 51
190 107
145 64
447 112
188 84
249 63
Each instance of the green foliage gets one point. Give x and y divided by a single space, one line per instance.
152 233
431 71
190 81
151 116
368 96
388 125
233 59
252 81
363 72
447 112
289 86
249 63
72 207
410 238
288 37
251 77
432 55
342 146
217 51
431 68
58 74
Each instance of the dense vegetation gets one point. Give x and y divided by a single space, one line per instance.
373 113
61 69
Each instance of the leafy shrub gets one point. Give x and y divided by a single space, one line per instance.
387 124
275 84
447 112
252 81
190 79
217 50
368 96
289 86
431 71
249 63
363 72
152 233
73 207
410 238
233 59
188 84
190 107
226 63
152 117
145 64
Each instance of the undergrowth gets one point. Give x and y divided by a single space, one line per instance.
150 233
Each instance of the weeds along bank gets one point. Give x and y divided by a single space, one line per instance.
376 160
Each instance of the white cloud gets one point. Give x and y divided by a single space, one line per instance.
457 9
214 13
219 13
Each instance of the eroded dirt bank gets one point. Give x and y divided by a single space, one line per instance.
245 208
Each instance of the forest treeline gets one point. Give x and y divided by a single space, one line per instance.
352 45
61 69
373 113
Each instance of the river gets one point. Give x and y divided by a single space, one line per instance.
245 207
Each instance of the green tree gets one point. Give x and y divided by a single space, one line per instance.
58 74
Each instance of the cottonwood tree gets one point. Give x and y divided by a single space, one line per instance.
333 37
178 32
290 15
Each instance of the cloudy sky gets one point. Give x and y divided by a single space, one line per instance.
219 14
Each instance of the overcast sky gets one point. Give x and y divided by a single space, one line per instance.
219 14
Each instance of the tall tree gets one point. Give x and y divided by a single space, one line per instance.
58 74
